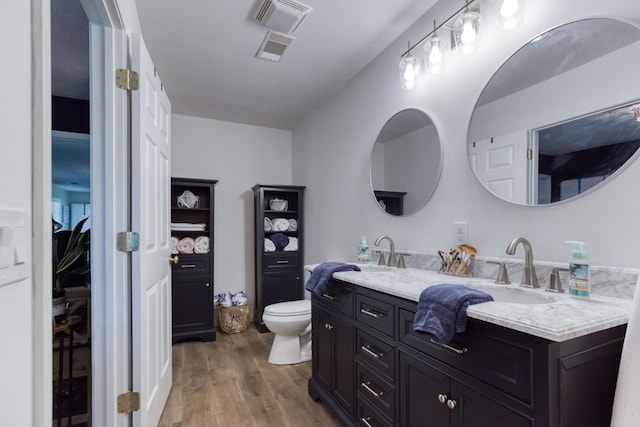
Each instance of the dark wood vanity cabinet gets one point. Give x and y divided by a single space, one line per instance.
278 273
192 285
487 376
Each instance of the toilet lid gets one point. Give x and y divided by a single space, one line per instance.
289 308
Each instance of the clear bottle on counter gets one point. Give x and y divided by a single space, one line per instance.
363 250
579 271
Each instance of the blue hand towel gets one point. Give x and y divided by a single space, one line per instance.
442 310
321 275
280 241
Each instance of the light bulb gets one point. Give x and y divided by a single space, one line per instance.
409 73
409 84
468 35
435 57
509 8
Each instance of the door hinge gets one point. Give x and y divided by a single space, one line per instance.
128 402
126 79
128 241
529 154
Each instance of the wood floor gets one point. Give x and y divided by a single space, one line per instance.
229 383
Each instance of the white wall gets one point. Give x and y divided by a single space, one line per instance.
239 157
15 193
332 149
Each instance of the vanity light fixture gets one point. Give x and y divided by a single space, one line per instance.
464 26
508 13
434 52
636 112
465 31
409 70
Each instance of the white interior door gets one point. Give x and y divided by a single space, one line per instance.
501 165
151 305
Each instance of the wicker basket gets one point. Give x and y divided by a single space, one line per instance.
233 320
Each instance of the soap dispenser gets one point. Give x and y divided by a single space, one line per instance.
578 271
363 250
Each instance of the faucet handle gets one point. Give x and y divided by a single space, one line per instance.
555 284
503 276
401 263
381 260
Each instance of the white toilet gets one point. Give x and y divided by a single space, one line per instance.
291 323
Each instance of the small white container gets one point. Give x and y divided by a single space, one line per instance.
278 204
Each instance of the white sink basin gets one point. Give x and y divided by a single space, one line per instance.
516 296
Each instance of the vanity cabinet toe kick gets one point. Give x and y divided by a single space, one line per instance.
371 369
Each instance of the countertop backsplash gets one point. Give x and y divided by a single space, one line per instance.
607 281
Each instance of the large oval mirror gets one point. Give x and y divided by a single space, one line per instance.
561 116
406 162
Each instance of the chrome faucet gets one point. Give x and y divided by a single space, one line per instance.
393 262
529 278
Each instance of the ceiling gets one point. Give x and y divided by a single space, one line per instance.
204 52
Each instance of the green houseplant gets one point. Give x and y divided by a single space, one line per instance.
77 246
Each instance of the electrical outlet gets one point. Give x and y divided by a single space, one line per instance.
462 231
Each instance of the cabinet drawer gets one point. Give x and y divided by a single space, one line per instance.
498 358
338 296
192 266
376 353
375 391
280 261
367 416
376 314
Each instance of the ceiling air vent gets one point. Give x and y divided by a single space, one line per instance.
284 16
274 45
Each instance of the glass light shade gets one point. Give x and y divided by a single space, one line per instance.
465 31
409 71
434 54
508 13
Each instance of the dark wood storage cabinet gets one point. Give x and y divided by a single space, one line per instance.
488 376
278 273
192 290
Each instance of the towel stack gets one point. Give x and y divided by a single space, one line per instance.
228 299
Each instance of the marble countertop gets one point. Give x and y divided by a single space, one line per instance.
561 319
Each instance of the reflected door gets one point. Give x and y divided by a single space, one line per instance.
501 165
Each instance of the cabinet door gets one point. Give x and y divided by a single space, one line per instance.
321 325
192 305
474 409
333 362
421 386
279 287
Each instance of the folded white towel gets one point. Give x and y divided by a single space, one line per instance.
293 244
186 245
174 245
201 245
293 225
280 224
269 246
268 226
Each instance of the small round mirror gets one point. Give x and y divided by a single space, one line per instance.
406 163
561 116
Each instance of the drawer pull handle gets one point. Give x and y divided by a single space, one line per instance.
370 390
442 398
188 266
328 326
366 421
371 353
451 404
450 347
329 296
371 313
282 261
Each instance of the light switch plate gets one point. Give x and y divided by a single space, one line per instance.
461 232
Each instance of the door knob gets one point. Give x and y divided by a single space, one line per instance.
173 259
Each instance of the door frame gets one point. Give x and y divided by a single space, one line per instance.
109 133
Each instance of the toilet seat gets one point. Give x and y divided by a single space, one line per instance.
289 308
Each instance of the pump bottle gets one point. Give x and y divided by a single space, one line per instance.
363 250
579 271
